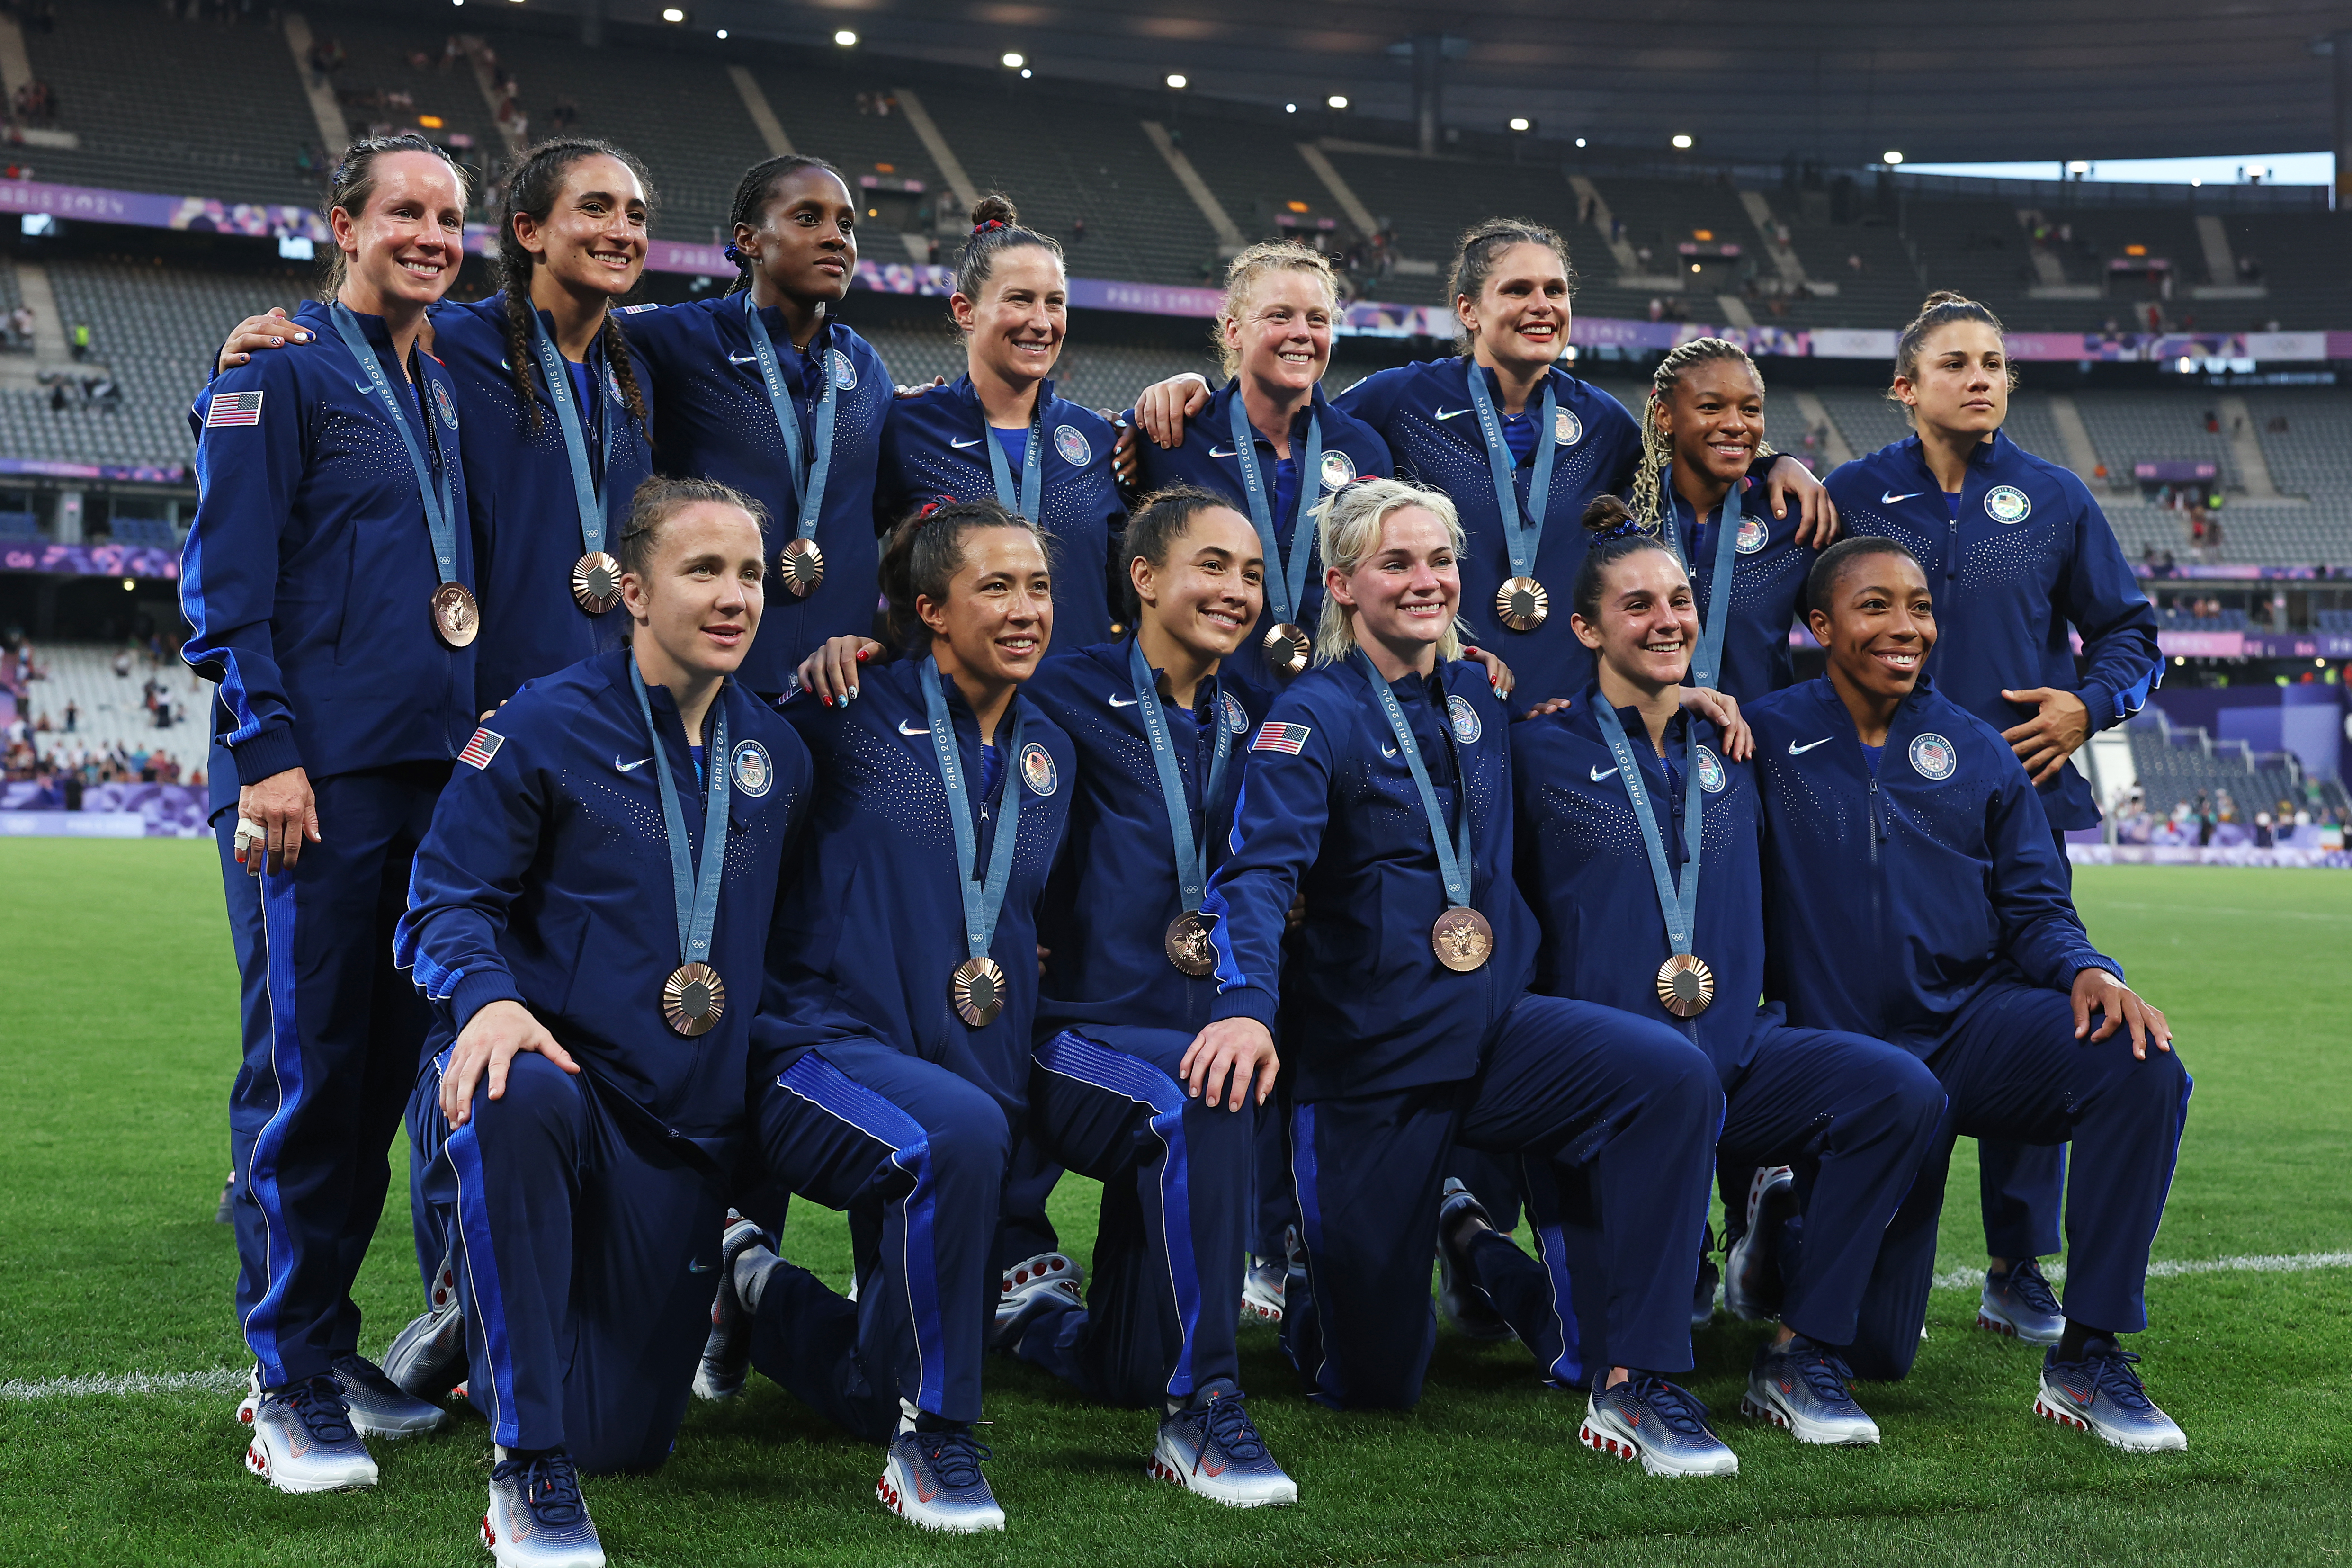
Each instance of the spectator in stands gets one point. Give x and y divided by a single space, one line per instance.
80 340
73 715
2263 839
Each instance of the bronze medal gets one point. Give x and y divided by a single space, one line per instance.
1286 648
1462 938
1522 605
1188 944
456 617
596 582
1685 985
977 991
801 565
693 999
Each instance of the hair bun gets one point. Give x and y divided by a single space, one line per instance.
1605 516
1944 296
995 210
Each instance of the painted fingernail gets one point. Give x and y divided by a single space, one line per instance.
853 694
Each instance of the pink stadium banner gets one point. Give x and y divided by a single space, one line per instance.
88 559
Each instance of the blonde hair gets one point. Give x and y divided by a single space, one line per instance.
1349 526
1242 275
1646 502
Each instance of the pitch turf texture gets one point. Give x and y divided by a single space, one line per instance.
117 1032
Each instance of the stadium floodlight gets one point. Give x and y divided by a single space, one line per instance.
1026 73
1013 62
1892 158
846 39
1290 108
1337 100
673 15
722 35
1519 123
1176 79
1684 141
1580 140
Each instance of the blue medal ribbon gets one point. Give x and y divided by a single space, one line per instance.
1707 663
1453 857
697 898
1288 574
1678 904
439 506
809 469
980 904
1191 858
586 490
1032 472
1521 541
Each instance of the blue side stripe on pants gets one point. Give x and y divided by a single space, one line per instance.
278 920
464 1154
1071 1056
1542 1187
838 1094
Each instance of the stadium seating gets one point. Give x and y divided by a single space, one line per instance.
112 708
2174 765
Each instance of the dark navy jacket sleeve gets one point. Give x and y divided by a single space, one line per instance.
2040 932
2106 603
1278 826
467 874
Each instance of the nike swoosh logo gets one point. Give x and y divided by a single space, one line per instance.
905 729
1388 751
1451 412
700 1267
1890 498
742 359
1123 701
1226 452
629 767
1797 750
1600 773
975 441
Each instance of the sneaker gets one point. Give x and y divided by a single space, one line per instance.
1703 1288
1659 1423
427 1358
1048 1276
1807 1389
2102 1393
380 1407
727 1354
1263 1288
1752 1276
537 1517
303 1440
2020 1304
933 1480
1212 1449
1467 1309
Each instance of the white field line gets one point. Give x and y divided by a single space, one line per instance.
2278 1263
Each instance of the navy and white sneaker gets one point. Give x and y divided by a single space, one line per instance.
933 1480
1659 1423
2102 1393
1212 1449
1028 1285
1705 1288
1263 1289
427 1358
1466 1308
537 1517
2020 1304
303 1440
1751 1277
727 1354
1809 1390
380 1407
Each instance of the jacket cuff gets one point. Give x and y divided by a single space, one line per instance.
2101 701
270 752
1244 1001
2082 961
477 991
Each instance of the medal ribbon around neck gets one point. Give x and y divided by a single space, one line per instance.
1521 540
1453 849
1706 660
1033 473
1287 587
1191 858
810 468
586 490
980 904
1678 904
439 506
698 897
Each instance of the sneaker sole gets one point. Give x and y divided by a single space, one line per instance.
259 1463
1621 1448
1994 1323
2065 1417
1257 1307
892 1493
367 1427
1756 1409
1160 1469
714 1388
491 1540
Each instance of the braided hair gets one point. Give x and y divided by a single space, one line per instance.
1647 504
532 191
753 192
352 185
1481 243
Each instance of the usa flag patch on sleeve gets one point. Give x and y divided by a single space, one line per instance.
1288 739
232 408
482 747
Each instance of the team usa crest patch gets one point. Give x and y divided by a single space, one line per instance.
1338 470
1037 769
1288 739
755 775
1466 728
482 747
1236 717
1071 442
844 371
1711 777
1567 429
1933 757
232 408
1754 534
448 409
2007 503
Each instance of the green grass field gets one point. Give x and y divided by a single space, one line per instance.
118 1040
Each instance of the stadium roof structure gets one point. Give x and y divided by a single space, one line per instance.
1840 81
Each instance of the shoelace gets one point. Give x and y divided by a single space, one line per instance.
551 1486
1230 1427
1827 1375
318 1404
2112 1371
1678 1407
955 1457
2026 1282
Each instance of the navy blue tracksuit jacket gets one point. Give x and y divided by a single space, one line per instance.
588 1208
2029 555
1768 578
